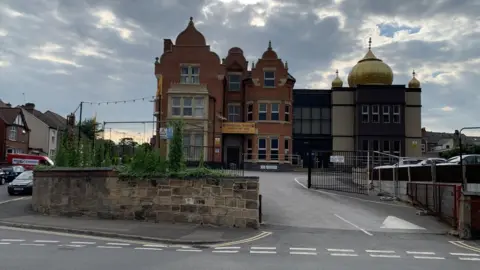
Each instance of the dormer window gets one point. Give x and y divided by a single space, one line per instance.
269 79
234 82
190 75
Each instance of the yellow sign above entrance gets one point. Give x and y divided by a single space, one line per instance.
238 128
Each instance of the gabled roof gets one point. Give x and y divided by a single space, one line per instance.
3 104
8 115
56 120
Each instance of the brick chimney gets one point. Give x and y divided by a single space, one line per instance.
424 132
167 45
29 107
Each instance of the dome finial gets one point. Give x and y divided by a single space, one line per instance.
336 72
369 43
413 73
414 82
337 82
269 44
191 19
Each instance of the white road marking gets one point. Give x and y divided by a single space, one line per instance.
225 251
76 246
83 243
340 250
34 245
155 246
421 252
118 244
148 248
469 259
46 241
344 254
465 254
262 252
4 243
379 251
303 249
224 248
359 228
384 256
108 247
302 253
13 200
263 248
190 250
429 258
12 240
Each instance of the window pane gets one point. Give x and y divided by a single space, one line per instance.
198 102
195 70
316 128
275 107
326 113
306 113
250 107
186 139
306 128
249 143
187 102
326 127
176 111
386 146
297 125
175 101
364 108
274 143
184 70
316 113
297 113
198 140
269 74
187 111
376 145
262 143
365 145
286 144
199 112
263 107
396 146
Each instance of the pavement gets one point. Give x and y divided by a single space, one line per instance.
307 229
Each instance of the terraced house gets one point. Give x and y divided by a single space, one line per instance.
14 132
235 112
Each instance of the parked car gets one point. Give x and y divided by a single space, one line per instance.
22 184
9 173
430 161
466 159
403 163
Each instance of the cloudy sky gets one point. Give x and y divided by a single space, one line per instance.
56 53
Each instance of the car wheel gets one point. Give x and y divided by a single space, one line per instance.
10 193
2 181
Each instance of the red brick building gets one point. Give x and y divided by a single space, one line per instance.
233 112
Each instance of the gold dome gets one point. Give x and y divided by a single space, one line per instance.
414 82
337 82
370 70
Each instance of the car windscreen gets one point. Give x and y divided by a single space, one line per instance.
25 176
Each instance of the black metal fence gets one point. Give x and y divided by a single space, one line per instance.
212 159
346 171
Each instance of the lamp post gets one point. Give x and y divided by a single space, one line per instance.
158 100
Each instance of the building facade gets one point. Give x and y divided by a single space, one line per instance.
233 112
370 114
14 132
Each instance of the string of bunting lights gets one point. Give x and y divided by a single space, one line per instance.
149 99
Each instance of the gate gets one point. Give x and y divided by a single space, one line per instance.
346 171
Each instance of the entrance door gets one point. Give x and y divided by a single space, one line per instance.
233 156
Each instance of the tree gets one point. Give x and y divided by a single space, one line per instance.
90 129
175 155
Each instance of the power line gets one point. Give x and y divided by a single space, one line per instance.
149 99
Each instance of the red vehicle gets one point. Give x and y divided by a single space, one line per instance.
28 161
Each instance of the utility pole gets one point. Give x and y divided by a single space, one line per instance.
80 123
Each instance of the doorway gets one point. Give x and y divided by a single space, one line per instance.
233 156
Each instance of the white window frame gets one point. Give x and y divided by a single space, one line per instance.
277 149
365 111
192 76
179 106
12 134
262 149
277 111
232 115
198 107
265 79
376 112
238 84
187 106
386 112
249 112
262 112
396 112
286 116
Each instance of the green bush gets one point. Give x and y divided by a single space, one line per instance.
175 153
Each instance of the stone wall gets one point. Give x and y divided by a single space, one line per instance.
231 201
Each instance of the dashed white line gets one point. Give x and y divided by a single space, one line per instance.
33 245
148 248
262 252
340 250
46 241
429 258
108 247
83 243
76 246
356 226
12 240
190 250
344 254
465 254
263 248
225 251
379 251
226 248
469 259
4 243
303 249
155 246
420 252
118 244
384 256
302 253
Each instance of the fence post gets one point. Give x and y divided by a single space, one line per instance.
260 208
309 180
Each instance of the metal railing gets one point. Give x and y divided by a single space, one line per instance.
277 158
